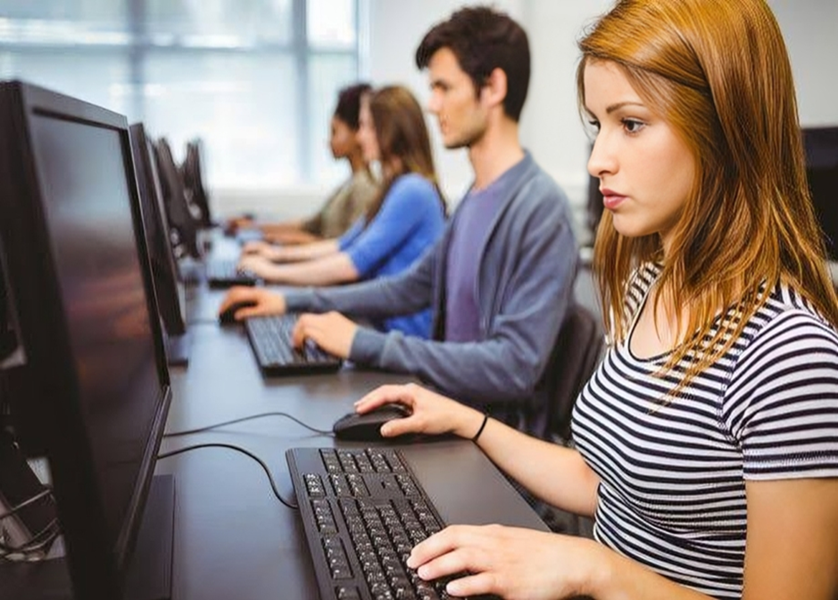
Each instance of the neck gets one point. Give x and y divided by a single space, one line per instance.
495 152
356 161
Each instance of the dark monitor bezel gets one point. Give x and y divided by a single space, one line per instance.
49 415
174 197
160 247
193 178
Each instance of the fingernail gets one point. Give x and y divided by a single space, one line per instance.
411 562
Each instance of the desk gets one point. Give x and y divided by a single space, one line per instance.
233 539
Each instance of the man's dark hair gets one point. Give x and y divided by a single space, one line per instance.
349 103
483 39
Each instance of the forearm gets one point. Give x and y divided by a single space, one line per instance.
555 474
329 270
616 577
306 252
282 227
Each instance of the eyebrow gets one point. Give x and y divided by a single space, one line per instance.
620 105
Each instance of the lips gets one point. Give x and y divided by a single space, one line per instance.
611 199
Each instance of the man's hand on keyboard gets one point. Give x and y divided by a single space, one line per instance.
252 302
331 331
509 562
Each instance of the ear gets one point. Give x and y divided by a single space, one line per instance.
493 91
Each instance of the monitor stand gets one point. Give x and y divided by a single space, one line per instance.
177 349
149 575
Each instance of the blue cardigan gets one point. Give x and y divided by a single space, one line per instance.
526 271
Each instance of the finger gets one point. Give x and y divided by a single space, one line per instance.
438 544
473 585
298 336
233 296
250 311
383 395
402 426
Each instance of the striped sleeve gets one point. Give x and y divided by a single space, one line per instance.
781 406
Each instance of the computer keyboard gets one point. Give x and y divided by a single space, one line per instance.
270 337
226 273
363 511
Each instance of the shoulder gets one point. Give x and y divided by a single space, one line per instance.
536 194
413 185
787 334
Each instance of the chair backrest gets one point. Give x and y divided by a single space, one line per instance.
578 350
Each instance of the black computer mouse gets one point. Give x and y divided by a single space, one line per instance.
228 317
367 427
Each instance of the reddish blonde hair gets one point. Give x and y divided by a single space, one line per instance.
719 74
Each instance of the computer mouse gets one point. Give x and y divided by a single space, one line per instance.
228 317
367 427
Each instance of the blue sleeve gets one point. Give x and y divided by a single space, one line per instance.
348 238
407 204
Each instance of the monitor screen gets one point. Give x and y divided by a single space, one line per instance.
87 320
821 146
161 253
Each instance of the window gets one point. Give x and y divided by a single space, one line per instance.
255 79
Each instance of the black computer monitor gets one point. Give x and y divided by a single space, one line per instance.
91 392
185 224
169 290
192 170
821 146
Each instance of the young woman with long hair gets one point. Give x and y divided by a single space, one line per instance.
706 443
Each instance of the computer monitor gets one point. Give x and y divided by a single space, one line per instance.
169 290
181 219
193 179
91 392
821 146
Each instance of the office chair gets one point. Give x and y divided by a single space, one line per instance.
579 347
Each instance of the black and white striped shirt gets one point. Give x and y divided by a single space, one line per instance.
672 492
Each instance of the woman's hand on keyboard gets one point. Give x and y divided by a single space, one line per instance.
432 413
511 562
331 331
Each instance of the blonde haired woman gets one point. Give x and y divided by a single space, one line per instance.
707 440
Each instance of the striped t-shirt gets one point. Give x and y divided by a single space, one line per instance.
672 492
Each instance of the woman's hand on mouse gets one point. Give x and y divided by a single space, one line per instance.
432 413
261 301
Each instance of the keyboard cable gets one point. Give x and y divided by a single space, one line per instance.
242 451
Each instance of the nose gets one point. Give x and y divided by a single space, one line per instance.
602 160
434 103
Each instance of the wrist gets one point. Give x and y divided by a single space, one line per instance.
470 423
599 580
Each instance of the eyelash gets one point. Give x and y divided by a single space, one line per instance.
628 124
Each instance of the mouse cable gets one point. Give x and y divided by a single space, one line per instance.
242 451
257 416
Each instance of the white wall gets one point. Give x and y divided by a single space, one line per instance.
550 126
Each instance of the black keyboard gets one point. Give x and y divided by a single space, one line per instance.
270 338
363 511
226 273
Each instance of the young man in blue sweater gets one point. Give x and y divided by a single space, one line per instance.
500 279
